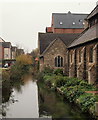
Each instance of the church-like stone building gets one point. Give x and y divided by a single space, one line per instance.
75 53
83 51
53 49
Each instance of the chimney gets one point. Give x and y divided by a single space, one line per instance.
69 12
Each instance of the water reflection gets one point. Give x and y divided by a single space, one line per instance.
22 101
53 106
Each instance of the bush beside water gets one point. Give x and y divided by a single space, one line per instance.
72 88
14 75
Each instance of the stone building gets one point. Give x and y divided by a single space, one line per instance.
83 52
53 49
67 23
76 53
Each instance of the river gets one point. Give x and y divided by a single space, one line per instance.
36 101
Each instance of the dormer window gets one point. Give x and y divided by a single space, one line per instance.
83 23
73 23
80 20
60 23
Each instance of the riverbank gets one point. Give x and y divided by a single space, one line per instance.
15 75
13 78
75 90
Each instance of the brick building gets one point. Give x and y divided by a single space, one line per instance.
1 49
19 51
7 50
14 50
67 23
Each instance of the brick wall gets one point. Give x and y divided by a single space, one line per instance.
1 52
55 30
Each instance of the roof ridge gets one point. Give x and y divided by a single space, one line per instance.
72 13
60 33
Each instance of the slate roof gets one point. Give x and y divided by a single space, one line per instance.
90 34
46 38
68 20
6 44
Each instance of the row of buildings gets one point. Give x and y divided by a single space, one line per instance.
8 52
71 43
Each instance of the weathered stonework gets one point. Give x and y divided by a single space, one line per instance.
84 69
80 55
57 48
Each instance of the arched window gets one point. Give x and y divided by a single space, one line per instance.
91 54
80 55
58 61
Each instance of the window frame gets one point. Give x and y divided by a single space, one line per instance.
91 55
80 55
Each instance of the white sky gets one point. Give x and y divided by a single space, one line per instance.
21 20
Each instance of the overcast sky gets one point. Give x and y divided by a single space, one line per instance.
21 20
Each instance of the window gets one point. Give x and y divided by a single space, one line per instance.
80 55
71 57
83 23
93 22
73 23
60 23
58 61
91 54
80 20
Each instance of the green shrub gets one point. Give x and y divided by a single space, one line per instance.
48 79
60 81
73 88
86 86
47 70
72 82
58 71
96 96
40 76
72 92
87 101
